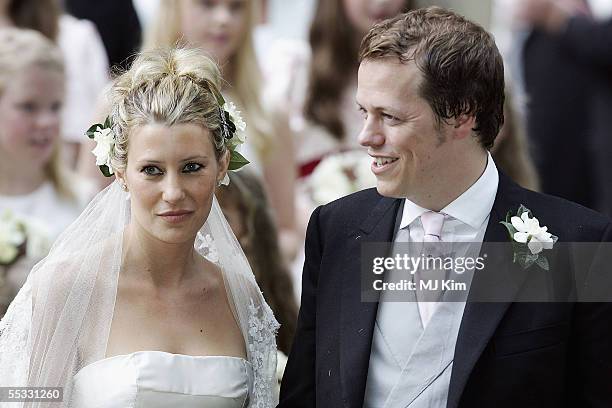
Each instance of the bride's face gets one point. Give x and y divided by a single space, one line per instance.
171 174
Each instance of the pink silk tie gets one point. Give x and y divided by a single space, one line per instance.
432 233
432 226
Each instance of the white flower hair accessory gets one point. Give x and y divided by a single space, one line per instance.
529 238
105 138
233 128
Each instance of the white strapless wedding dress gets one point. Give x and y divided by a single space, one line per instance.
155 379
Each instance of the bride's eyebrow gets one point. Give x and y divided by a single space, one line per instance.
147 161
191 158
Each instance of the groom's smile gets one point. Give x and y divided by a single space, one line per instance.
381 164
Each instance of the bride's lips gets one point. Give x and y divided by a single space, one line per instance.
175 217
382 164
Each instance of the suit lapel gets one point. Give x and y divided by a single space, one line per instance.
481 319
356 317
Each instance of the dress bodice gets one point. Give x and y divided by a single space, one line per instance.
155 379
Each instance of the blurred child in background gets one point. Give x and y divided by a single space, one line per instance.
37 191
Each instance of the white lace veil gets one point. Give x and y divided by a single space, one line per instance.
60 320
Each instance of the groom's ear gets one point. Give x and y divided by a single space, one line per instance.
463 126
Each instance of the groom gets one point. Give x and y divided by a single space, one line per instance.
431 89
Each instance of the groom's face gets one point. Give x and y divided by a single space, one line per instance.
409 147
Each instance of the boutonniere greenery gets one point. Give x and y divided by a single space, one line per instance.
528 238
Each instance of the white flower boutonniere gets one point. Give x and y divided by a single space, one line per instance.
529 239
104 136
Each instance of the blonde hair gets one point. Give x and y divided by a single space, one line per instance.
167 86
166 32
19 50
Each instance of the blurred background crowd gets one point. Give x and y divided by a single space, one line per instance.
290 66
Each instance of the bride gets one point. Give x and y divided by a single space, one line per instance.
147 298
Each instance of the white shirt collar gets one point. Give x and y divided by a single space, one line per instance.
472 207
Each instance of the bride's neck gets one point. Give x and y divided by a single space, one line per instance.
163 265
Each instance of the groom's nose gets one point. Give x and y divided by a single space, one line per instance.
371 134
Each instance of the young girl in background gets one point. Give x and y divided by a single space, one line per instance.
35 187
85 61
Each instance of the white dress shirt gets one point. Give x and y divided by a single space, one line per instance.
465 221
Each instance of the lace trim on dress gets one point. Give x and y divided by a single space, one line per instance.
262 327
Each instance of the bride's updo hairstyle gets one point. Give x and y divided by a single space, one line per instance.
168 87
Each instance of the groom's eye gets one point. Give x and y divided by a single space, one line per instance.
151 170
389 118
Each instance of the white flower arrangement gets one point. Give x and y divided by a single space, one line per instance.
234 131
240 132
529 238
21 237
12 237
105 140
341 174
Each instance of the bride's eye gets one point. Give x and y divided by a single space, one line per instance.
192 167
151 170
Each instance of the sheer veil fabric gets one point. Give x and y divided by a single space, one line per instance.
60 320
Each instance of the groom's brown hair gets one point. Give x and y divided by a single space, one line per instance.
463 71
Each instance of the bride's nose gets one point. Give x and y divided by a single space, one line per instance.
173 190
